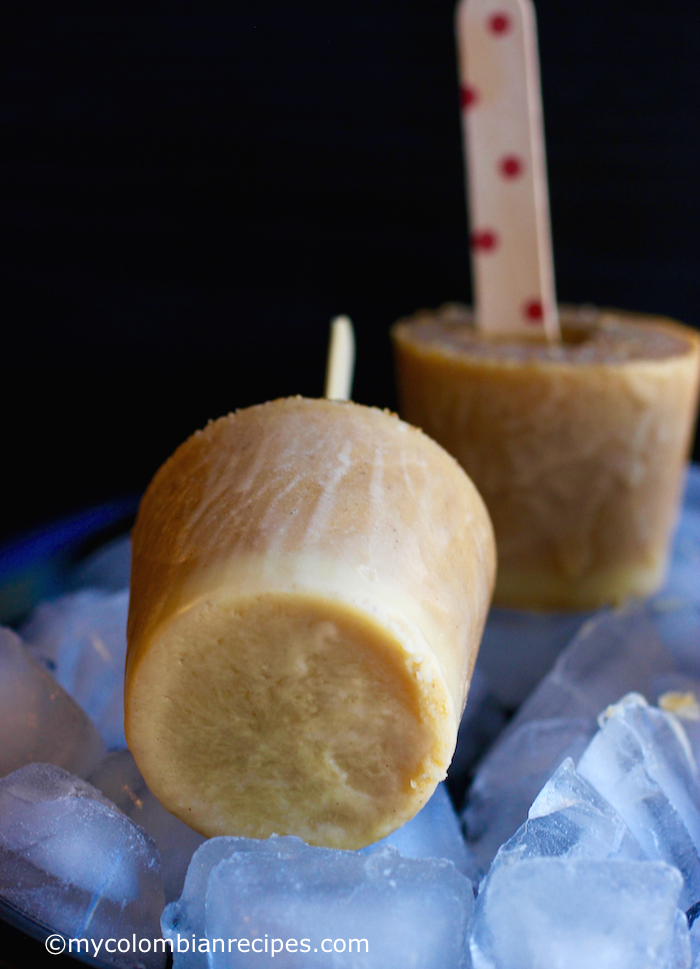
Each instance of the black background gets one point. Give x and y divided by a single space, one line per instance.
189 191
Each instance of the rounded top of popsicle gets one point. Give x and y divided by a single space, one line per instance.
322 476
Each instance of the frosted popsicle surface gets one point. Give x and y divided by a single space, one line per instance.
310 581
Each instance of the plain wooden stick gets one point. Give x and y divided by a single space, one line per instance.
340 362
512 264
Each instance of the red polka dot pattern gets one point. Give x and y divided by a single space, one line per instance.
499 23
510 249
467 97
534 312
511 166
484 240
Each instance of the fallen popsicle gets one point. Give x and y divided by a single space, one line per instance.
310 581
576 436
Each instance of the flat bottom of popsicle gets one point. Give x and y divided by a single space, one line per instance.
546 591
294 714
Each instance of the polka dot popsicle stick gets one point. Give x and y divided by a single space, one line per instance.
512 266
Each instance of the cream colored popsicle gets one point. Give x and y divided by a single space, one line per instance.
578 448
310 582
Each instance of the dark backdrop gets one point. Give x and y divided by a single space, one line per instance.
189 191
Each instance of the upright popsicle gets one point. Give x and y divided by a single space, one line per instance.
577 444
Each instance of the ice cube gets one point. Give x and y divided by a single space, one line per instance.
184 918
81 639
641 762
434 832
378 912
510 778
577 913
518 648
412 912
38 720
570 819
120 780
615 653
107 568
70 860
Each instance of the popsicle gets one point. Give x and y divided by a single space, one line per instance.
576 435
577 447
310 581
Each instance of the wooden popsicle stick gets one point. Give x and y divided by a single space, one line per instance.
512 264
340 362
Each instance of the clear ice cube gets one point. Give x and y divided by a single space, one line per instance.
120 780
70 860
412 912
38 720
543 913
641 762
615 653
518 649
81 639
379 912
510 778
570 819
184 918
